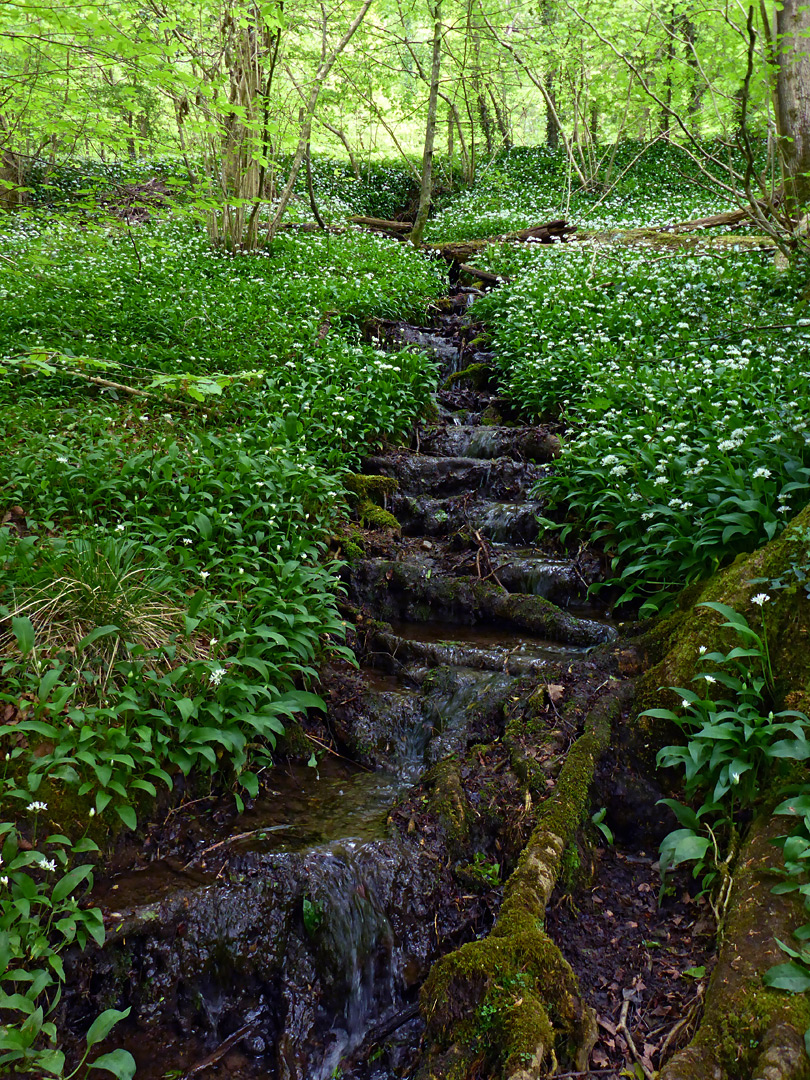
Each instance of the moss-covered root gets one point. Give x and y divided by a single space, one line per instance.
511 1001
674 645
748 1030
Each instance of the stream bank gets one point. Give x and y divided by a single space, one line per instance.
292 941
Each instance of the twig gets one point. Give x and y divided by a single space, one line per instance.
692 1012
220 1051
482 549
622 1028
185 805
329 750
222 843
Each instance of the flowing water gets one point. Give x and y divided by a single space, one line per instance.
291 938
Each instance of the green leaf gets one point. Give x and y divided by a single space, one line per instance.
120 1063
186 708
128 816
250 782
204 526
23 630
103 1025
69 882
51 1061
683 845
686 815
791 976
94 635
695 972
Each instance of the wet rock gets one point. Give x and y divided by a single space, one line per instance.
527 659
310 944
527 443
420 474
500 522
417 593
539 575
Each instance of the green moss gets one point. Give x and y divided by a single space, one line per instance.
293 743
667 241
478 375
570 867
371 487
527 1031
448 801
374 517
352 551
475 994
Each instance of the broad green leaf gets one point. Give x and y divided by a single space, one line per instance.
103 1024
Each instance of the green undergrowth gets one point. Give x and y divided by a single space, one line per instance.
629 186
381 189
165 599
684 384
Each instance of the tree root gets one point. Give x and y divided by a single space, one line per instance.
509 1005
748 1030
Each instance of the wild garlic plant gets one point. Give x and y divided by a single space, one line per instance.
732 741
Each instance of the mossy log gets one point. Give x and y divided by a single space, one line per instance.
669 241
749 1030
509 1004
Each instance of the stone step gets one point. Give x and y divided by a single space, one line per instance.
489 441
425 474
499 522
421 592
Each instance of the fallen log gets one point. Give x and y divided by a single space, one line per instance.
479 275
731 217
553 232
382 224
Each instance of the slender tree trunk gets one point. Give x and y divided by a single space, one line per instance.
321 76
793 97
450 147
501 118
698 86
552 123
426 190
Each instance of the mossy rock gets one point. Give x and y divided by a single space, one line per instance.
293 743
352 551
480 376
371 487
375 517
448 801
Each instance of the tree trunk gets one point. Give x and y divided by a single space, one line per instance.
303 140
430 131
552 124
793 98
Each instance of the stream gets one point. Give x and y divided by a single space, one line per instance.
290 941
